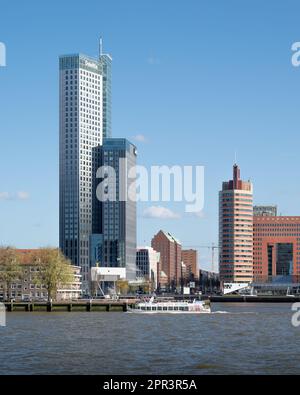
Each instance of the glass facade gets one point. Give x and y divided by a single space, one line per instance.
142 264
270 260
106 66
284 259
265 211
118 213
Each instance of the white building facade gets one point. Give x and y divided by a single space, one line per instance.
147 261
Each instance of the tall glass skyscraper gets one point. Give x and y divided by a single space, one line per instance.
83 113
91 231
115 245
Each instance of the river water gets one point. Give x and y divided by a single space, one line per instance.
234 339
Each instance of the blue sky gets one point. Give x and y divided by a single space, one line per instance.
199 79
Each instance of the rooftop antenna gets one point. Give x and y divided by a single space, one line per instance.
100 46
235 157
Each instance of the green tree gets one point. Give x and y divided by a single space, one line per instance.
147 287
53 270
10 269
122 287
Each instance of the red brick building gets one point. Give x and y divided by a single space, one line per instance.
190 260
170 256
276 246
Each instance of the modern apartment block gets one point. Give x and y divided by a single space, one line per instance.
170 256
236 230
190 260
85 116
147 264
113 242
265 210
276 248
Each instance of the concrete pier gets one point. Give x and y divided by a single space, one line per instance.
252 299
122 305
93 306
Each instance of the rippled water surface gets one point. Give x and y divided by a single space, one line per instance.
235 338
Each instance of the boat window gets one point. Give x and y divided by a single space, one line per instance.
143 308
165 308
148 308
175 307
159 308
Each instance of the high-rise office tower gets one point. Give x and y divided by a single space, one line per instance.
84 82
236 230
114 242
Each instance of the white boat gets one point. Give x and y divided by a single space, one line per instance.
171 307
289 294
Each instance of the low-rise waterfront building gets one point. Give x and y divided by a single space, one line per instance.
26 288
209 281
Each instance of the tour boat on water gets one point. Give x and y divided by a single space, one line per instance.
173 307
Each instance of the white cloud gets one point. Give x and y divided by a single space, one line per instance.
4 196
160 212
22 195
199 214
140 138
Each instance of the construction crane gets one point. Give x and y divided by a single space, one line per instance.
213 247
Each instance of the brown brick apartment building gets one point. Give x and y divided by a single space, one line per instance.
190 260
170 256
